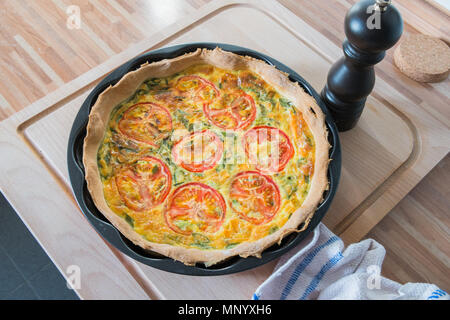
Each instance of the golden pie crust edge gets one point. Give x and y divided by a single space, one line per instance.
130 82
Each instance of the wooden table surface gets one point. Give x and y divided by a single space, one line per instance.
39 53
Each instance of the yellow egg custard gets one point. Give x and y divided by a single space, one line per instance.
201 158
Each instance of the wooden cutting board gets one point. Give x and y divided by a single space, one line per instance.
395 144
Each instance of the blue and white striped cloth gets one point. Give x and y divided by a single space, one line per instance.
322 269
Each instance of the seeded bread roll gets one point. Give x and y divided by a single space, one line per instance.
423 58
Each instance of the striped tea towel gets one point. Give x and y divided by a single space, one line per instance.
324 270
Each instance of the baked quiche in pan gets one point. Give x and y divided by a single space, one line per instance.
206 156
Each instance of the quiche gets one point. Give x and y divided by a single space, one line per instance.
206 156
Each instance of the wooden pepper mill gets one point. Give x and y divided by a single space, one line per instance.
371 27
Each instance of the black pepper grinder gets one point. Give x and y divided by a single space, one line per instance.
371 27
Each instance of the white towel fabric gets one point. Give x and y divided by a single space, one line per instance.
324 270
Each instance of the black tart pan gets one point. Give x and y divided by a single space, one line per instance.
113 236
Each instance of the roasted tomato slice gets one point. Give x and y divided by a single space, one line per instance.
255 197
197 88
146 122
268 148
234 110
144 184
198 151
195 205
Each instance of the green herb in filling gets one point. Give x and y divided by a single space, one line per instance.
273 229
231 245
201 241
129 220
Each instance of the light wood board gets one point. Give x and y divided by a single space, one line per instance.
395 144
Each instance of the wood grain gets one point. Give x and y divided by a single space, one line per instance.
434 98
40 53
416 233
426 210
365 151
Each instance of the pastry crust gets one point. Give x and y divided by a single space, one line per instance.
114 95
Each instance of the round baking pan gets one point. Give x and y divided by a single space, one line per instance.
113 236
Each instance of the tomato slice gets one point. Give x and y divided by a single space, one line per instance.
146 122
235 110
195 204
197 88
144 184
268 148
254 197
198 151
